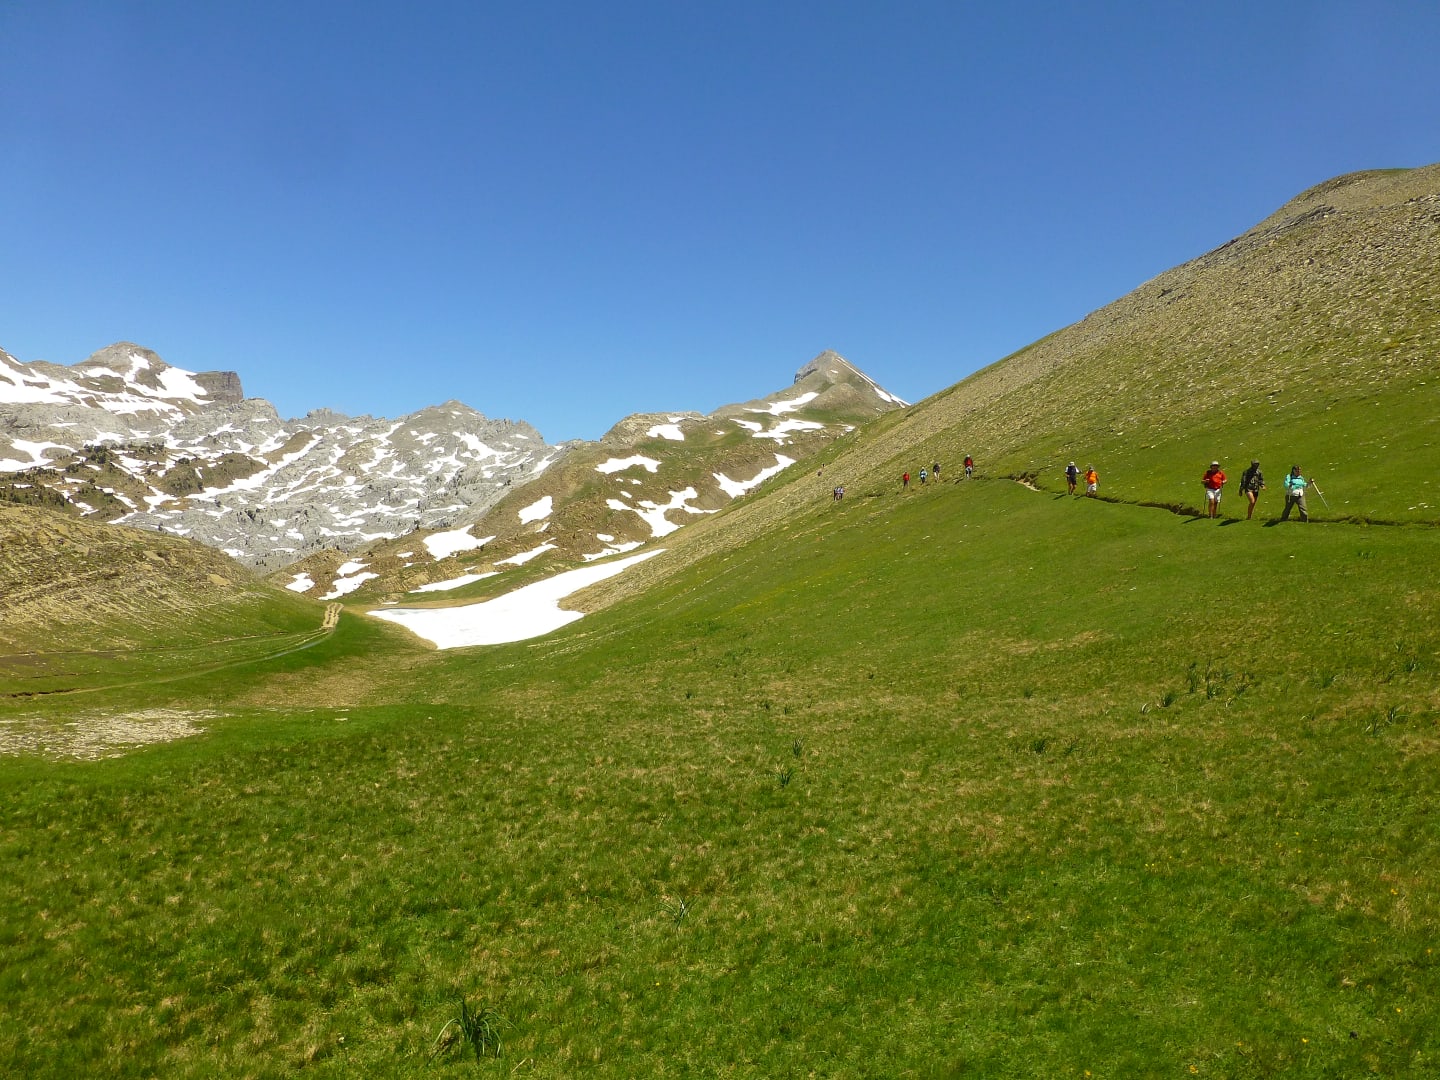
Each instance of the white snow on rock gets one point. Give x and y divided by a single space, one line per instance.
36 450
527 612
669 431
750 425
351 567
444 544
736 488
302 583
616 464
653 514
611 549
342 585
779 408
525 556
536 511
781 431
455 583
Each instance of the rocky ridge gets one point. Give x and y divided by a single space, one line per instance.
126 438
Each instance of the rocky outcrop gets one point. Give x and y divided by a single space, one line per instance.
125 437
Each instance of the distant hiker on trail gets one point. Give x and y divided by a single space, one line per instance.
1072 474
969 466
1213 480
1252 482
922 474
1092 480
839 493
935 470
1295 495
905 482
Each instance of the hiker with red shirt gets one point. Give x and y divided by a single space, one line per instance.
1214 480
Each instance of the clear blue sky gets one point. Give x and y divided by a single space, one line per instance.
566 212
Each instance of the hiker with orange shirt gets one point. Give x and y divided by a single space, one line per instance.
1213 480
1092 480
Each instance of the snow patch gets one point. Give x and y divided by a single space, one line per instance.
527 612
536 511
779 408
616 464
443 544
736 488
455 583
525 556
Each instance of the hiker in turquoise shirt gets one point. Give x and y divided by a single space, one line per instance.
1295 495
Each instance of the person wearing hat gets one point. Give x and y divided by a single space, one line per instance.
1213 480
1072 474
1252 482
1295 495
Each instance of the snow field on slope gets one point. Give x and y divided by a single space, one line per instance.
528 612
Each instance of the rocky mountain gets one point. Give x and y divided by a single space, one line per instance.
648 476
126 438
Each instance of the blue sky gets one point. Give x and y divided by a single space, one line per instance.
566 212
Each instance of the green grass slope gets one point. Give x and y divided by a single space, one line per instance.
982 782
85 605
1313 338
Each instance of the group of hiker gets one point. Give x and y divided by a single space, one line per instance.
933 473
1252 482
1072 477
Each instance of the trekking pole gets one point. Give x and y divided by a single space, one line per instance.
1319 492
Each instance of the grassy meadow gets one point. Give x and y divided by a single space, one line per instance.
971 781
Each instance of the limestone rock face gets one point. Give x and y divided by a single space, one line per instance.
124 437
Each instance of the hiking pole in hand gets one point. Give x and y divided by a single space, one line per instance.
1319 492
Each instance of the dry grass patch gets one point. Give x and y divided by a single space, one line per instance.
95 735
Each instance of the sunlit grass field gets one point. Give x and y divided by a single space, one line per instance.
976 781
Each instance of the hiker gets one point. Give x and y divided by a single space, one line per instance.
1213 480
922 474
1295 495
1252 482
969 466
1092 480
905 482
839 493
1072 474
935 471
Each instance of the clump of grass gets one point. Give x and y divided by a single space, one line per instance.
676 909
797 748
480 1030
784 775
1167 699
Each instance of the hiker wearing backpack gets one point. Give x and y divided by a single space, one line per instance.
905 482
1072 474
1092 480
1213 481
1252 482
923 474
1295 495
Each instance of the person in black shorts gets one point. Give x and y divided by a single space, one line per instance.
1252 482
